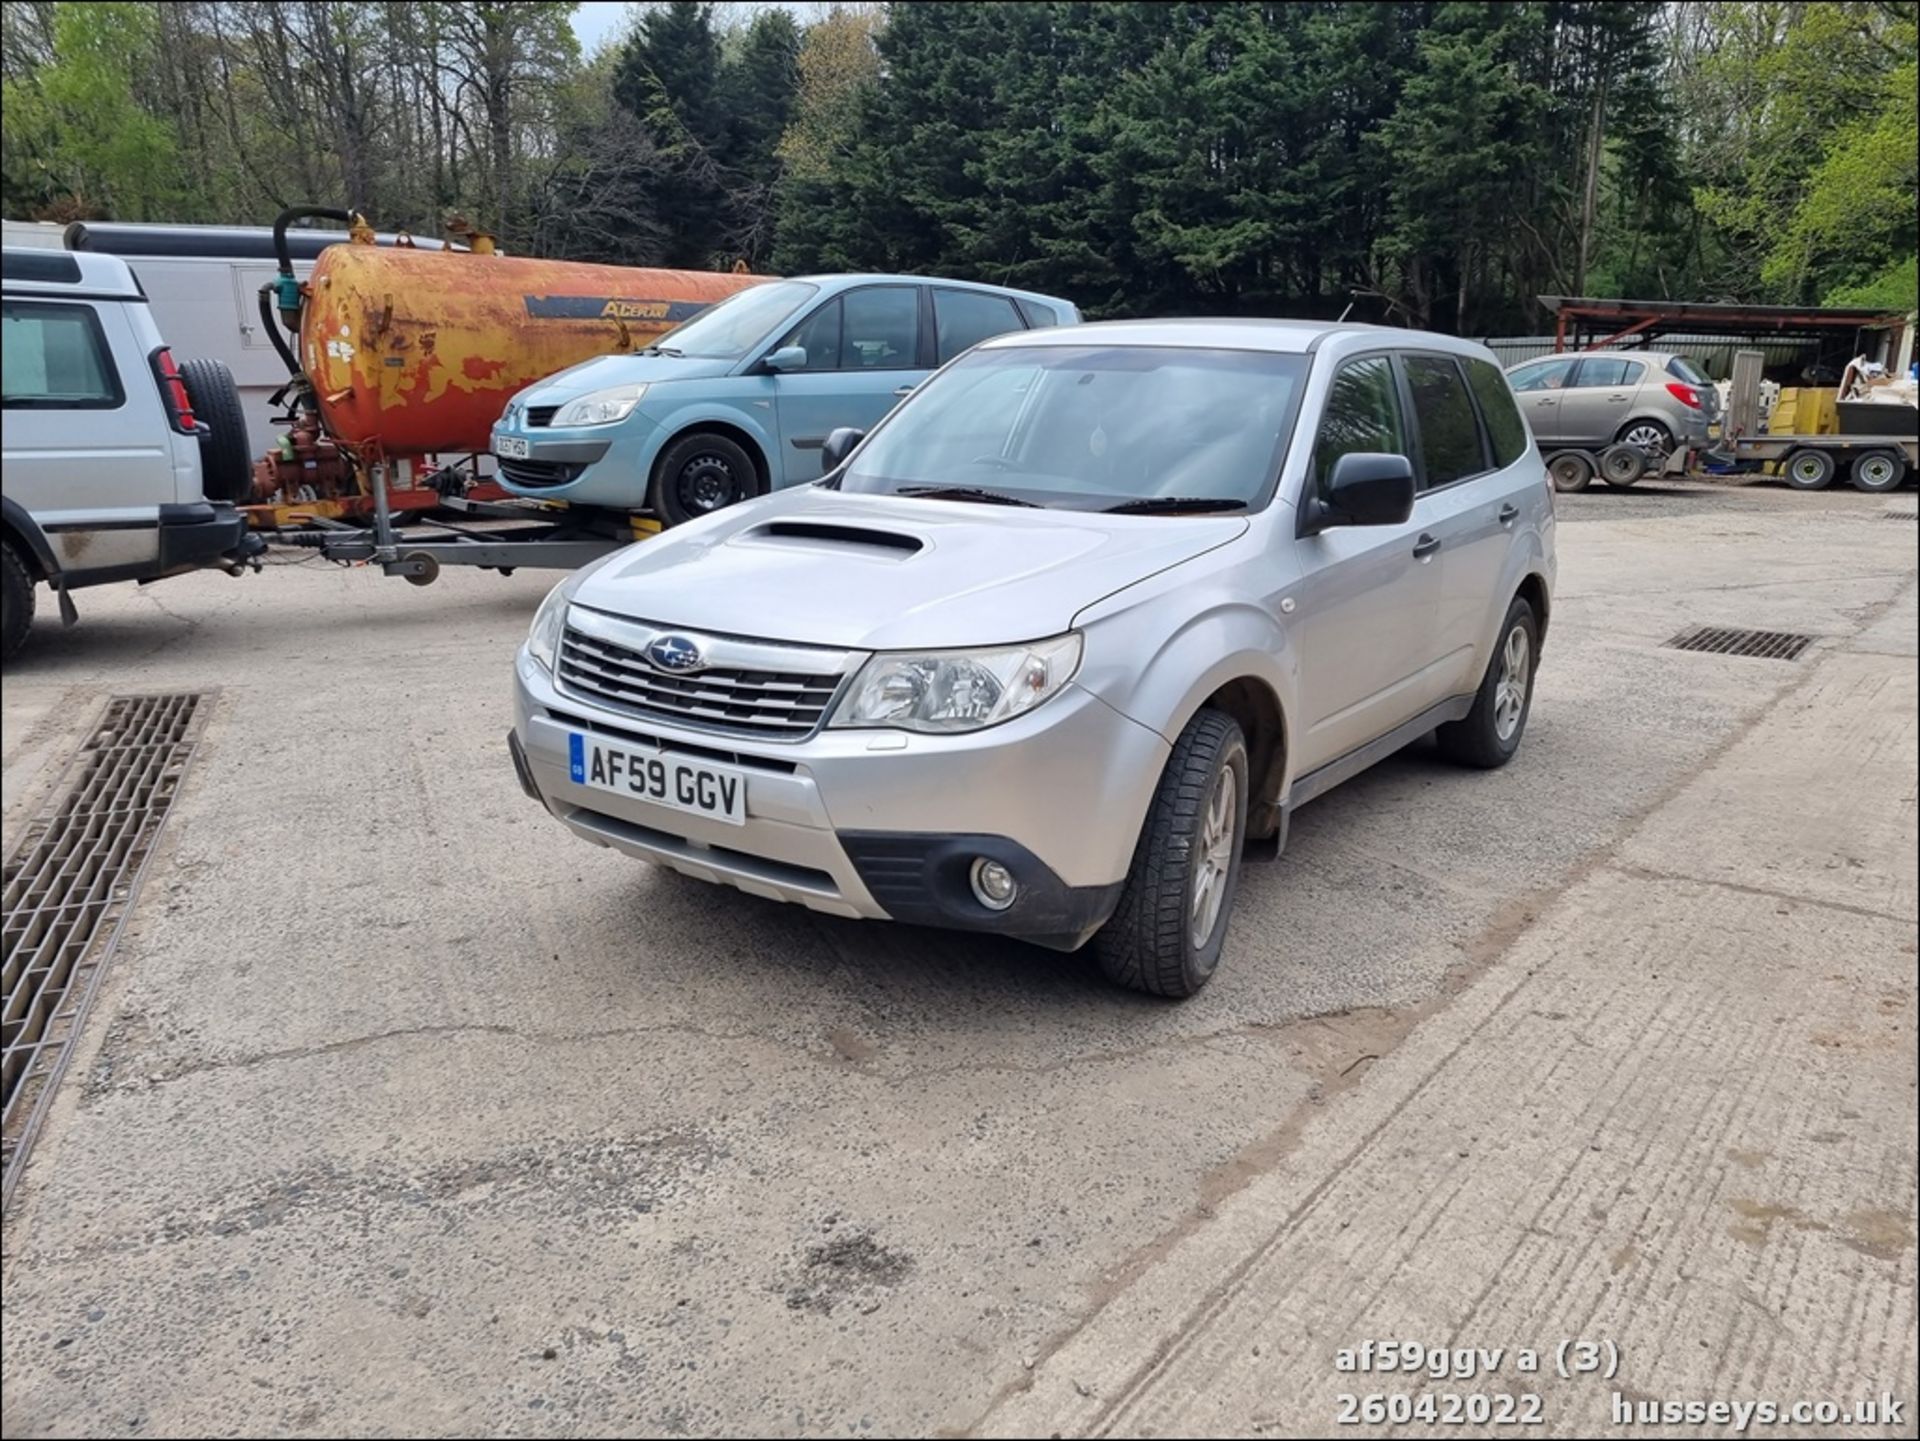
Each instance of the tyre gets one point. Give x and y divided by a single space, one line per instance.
1809 469
699 474
1878 470
1621 465
1648 435
1489 734
226 463
1571 470
16 600
1166 934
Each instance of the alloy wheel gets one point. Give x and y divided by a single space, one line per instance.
1213 859
1510 689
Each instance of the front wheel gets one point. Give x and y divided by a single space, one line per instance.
1166 935
1489 734
699 474
16 600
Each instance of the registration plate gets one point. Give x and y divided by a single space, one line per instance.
511 447
659 777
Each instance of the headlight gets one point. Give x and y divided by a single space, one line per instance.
543 640
957 690
601 407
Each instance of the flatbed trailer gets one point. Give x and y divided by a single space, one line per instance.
1873 463
538 534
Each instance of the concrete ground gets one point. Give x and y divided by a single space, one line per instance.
401 1112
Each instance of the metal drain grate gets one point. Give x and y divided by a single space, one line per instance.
1761 644
68 887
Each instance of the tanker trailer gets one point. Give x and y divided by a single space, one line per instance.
404 357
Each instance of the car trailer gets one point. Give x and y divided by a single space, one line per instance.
1619 465
542 535
1872 463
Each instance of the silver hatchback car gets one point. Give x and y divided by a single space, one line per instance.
1076 627
1652 399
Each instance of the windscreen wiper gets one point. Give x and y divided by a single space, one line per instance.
1174 505
966 492
674 351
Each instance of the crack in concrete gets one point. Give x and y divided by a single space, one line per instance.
1648 874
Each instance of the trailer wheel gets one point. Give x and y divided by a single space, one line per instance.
1622 465
429 570
226 467
1571 470
1809 470
1878 470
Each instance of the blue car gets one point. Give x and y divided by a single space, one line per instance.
738 401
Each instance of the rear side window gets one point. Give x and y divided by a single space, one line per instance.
964 318
1450 446
1542 375
1607 371
1504 427
882 329
1362 414
1039 316
1680 368
55 357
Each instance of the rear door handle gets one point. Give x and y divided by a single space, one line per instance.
1424 547
903 392
1507 513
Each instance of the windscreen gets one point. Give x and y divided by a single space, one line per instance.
1093 427
730 329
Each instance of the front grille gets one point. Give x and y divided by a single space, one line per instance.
535 473
541 415
788 704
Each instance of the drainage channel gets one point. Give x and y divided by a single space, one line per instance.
68 888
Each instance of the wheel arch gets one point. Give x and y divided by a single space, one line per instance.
1255 707
20 528
754 445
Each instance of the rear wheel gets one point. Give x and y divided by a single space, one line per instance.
1489 734
1166 935
226 466
1878 470
16 600
1809 469
1648 435
1571 470
699 474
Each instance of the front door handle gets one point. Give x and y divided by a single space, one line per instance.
1508 512
1424 547
903 392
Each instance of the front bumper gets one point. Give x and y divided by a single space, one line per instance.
553 463
879 824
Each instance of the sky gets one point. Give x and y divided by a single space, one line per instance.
597 21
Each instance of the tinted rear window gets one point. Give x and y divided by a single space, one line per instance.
1504 427
1449 433
1680 368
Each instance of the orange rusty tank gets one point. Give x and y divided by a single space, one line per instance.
414 352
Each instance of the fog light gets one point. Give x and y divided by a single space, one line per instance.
993 884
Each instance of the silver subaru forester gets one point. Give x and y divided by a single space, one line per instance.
1077 626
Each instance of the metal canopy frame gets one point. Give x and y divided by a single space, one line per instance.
1598 323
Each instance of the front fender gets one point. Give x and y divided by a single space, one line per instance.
674 419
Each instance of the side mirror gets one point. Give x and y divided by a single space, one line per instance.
787 357
1366 488
838 446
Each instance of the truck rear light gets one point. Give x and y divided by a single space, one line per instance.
1687 395
173 392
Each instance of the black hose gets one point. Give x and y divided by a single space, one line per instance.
272 324
300 212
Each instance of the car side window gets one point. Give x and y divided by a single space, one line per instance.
1038 316
55 357
1504 426
964 318
1362 415
819 333
1450 445
1542 375
1607 371
882 330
